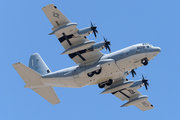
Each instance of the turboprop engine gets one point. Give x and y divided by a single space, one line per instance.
97 47
83 32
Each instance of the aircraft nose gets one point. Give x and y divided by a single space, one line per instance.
157 49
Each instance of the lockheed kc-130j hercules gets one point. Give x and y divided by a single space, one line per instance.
109 71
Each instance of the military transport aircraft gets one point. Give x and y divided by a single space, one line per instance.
109 71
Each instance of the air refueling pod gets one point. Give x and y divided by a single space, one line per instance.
118 87
135 101
64 28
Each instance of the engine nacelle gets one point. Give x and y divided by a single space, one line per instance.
97 47
137 84
83 32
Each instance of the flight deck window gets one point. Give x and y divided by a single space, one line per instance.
147 46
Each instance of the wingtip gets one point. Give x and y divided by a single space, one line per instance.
122 106
55 103
16 64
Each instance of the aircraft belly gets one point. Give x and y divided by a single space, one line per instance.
84 81
125 63
108 72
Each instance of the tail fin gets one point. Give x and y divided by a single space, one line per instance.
37 64
33 81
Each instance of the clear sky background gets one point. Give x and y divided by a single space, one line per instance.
24 30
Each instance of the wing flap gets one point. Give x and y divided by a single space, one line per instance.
120 96
47 93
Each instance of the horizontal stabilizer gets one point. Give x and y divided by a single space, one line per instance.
47 93
30 77
33 81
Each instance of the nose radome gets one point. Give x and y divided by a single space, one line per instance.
158 49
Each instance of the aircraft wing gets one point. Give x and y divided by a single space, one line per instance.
64 31
132 95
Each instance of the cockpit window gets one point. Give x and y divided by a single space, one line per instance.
146 44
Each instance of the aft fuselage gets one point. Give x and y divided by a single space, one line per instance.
111 66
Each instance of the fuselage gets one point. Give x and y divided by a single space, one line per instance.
111 66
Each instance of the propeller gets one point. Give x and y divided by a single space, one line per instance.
93 28
133 72
145 82
106 44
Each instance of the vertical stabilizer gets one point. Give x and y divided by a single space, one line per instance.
37 64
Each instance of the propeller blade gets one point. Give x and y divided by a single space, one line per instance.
143 77
109 49
95 34
93 28
91 24
145 82
96 31
133 72
106 44
146 87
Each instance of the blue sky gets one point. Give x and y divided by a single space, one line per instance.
24 30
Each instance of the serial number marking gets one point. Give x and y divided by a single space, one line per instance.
145 104
131 91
